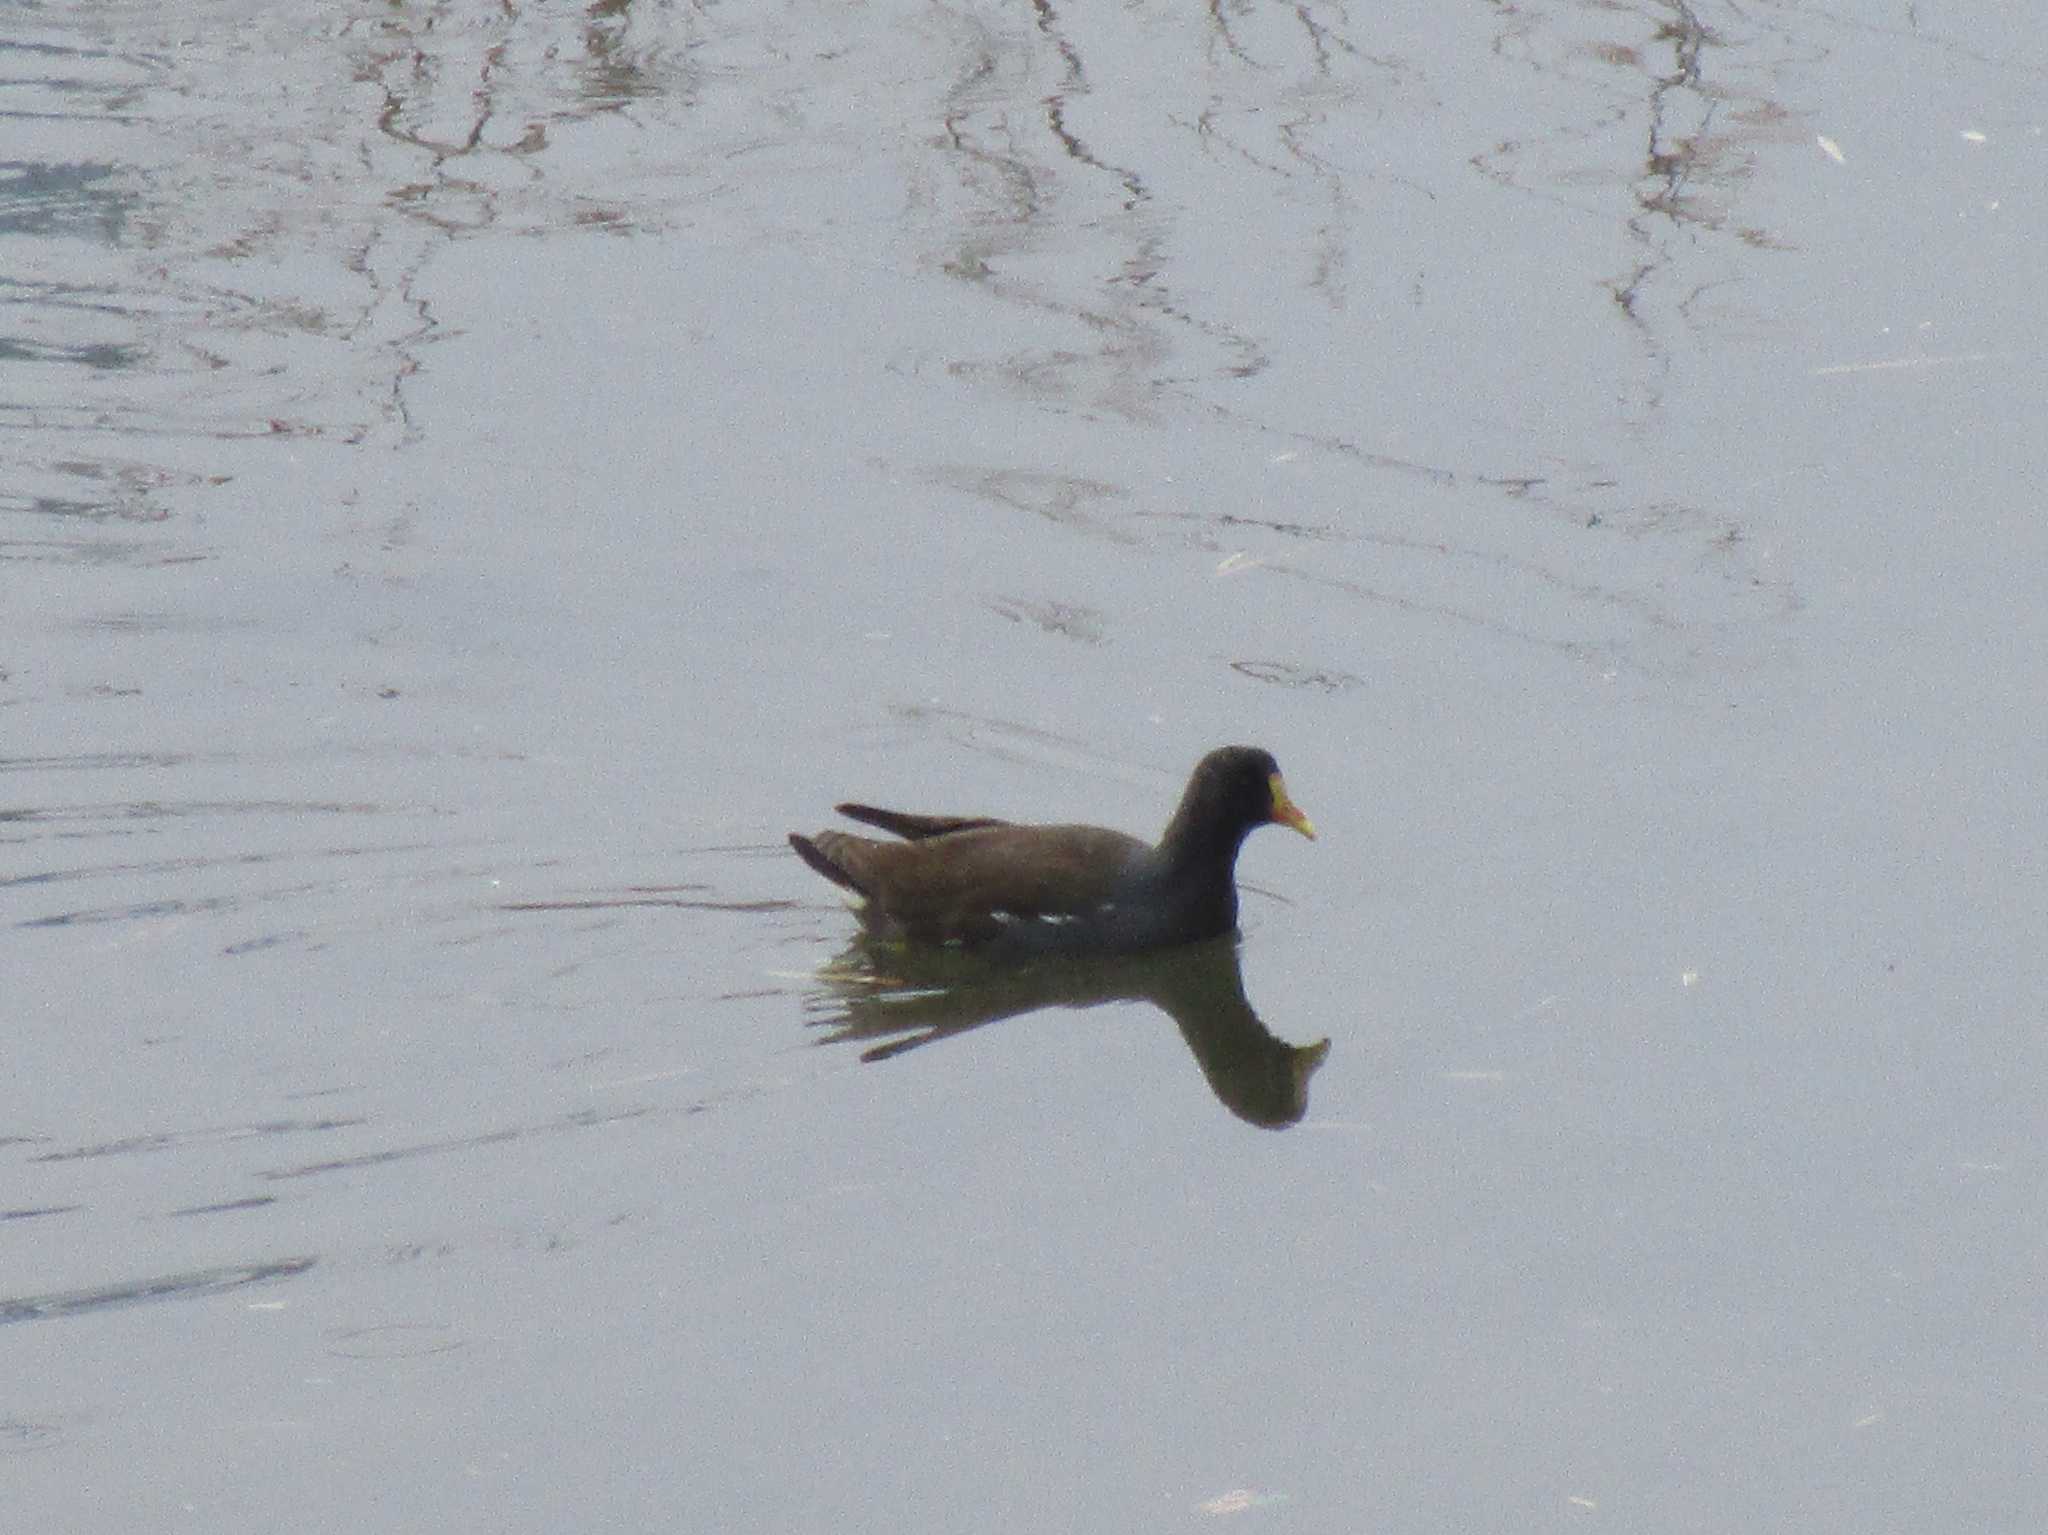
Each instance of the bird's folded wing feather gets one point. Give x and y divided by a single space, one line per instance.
915 827
959 879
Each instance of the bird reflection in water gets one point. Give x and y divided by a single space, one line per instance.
896 998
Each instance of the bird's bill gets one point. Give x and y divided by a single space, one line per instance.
1287 813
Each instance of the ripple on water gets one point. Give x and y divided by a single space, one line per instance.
149 1290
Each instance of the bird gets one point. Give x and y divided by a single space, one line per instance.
978 882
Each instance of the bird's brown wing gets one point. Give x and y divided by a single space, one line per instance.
968 884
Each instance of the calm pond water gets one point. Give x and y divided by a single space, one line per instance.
480 475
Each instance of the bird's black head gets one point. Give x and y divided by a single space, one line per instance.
1234 789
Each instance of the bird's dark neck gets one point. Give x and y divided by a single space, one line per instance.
1196 844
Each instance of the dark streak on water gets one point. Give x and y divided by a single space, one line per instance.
140 1292
226 1207
578 1120
175 1140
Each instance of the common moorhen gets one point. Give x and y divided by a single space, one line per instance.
973 880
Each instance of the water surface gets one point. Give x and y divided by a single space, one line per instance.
479 476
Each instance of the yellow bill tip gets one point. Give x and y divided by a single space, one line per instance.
1287 813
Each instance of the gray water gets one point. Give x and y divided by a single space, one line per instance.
478 476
